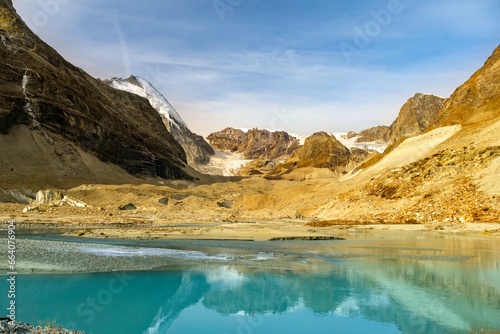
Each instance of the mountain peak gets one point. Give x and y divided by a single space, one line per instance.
198 151
142 87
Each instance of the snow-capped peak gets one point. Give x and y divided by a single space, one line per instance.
142 87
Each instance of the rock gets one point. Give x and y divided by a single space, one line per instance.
377 133
29 209
320 150
163 200
129 206
48 196
57 198
225 204
416 115
350 134
8 327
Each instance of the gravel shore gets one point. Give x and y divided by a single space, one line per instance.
49 256
12 327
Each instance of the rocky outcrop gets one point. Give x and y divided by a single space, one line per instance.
53 198
418 114
40 90
255 143
229 139
320 150
198 151
375 134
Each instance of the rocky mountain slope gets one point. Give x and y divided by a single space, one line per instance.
416 115
320 150
57 122
442 179
198 151
254 143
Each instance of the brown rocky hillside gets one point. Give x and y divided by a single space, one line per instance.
57 122
254 143
320 150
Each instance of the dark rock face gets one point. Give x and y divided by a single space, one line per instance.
41 90
255 143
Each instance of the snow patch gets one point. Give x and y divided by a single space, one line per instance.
155 98
351 142
227 163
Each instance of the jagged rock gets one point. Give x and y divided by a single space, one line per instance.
198 151
40 90
48 196
53 198
415 116
255 143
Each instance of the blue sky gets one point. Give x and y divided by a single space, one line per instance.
298 65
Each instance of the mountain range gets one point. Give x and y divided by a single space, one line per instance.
61 128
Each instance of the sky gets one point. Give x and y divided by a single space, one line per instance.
297 65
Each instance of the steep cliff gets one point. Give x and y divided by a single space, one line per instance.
79 117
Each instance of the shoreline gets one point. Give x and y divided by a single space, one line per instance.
258 230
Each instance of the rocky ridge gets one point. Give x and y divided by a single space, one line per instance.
418 114
58 115
254 143
198 151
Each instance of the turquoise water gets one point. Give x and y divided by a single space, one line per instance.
363 286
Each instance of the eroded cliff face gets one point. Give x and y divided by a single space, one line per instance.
40 90
255 143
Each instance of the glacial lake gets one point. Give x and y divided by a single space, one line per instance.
374 283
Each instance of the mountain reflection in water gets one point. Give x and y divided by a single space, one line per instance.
370 289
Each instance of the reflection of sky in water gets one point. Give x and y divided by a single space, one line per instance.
446 285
